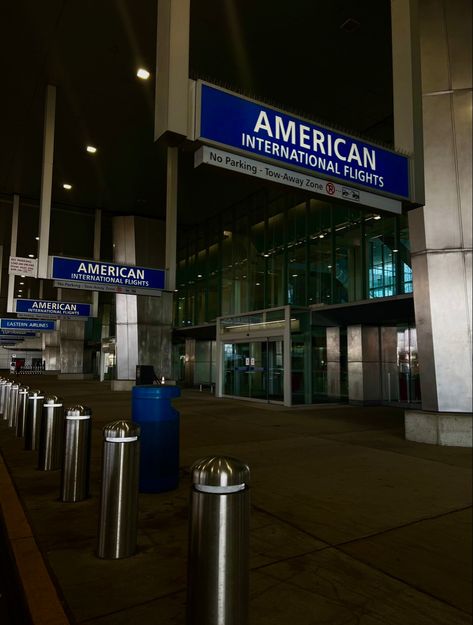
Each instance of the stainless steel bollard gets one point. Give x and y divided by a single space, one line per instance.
6 405
21 414
13 407
3 381
51 442
218 565
76 464
119 501
34 412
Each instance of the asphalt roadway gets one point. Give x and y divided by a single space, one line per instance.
350 523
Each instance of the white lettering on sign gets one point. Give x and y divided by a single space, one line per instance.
62 306
111 270
312 148
311 139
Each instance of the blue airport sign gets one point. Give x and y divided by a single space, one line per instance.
38 325
46 308
230 120
97 275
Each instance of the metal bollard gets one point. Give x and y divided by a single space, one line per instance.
34 412
218 565
119 499
21 414
76 464
6 405
3 381
51 442
13 407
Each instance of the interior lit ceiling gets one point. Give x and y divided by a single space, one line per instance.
330 61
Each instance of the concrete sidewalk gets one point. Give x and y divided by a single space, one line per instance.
350 522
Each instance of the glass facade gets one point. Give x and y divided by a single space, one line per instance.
289 249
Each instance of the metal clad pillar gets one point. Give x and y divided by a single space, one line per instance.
172 68
46 180
13 244
364 374
441 231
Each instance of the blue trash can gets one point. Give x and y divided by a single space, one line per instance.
159 421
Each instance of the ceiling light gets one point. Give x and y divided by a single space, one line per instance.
143 74
37 238
295 275
395 251
377 217
67 186
199 275
22 276
30 255
19 295
91 149
20 290
321 236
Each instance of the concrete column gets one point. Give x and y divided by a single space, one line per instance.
143 324
46 180
441 231
364 374
13 243
333 362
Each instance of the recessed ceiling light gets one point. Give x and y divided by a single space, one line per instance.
37 238
22 283
67 186
19 295
91 149
395 251
20 290
30 255
22 276
321 236
295 275
143 74
377 217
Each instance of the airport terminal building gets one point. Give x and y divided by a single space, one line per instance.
293 261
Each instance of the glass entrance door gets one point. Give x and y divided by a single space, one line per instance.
254 369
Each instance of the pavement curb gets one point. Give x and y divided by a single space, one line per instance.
42 600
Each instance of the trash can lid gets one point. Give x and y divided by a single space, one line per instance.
52 401
78 412
121 432
220 474
36 394
153 391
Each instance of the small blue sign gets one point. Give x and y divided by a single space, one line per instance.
92 272
230 120
55 309
27 324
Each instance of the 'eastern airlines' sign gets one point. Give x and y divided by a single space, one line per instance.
230 120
